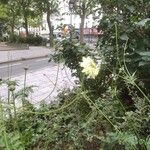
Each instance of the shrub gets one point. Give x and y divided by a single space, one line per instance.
31 40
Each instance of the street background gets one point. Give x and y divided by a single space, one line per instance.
48 78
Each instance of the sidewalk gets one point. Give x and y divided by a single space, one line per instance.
9 55
48 83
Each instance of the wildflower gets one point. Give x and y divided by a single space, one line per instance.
60 48
89 67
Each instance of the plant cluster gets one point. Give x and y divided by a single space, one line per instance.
109 108
121 89
77 121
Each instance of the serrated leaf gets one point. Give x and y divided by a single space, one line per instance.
142 63
143 22
124 37
148 143
144 54
131 8
1 143
146 58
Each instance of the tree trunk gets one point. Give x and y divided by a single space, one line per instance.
82 29
12 29
51 38
26 25
13 25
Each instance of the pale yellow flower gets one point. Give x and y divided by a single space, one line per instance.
89 67
60 48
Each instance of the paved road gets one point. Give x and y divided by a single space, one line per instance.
48 78
17 68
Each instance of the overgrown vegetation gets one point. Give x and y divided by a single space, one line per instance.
110 111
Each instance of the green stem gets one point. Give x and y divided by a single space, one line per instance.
117 46
14 105
24 87
126 69
148 100
56 81
9 111
15 112
103 114
56 110
4 131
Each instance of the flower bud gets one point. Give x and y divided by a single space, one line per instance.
11 87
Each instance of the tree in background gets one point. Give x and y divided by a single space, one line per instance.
13 14
27 11
50 7
3 18
35 22
83 8
10 12
15 10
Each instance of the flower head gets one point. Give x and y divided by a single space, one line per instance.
89 67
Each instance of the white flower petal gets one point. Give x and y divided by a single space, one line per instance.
89 67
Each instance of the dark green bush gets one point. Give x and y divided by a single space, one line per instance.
31 40
34 40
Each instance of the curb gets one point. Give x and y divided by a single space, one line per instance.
22 59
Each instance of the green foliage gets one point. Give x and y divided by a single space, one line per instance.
127 139
35 22
50 7
3 11
71 52
45 5
121 89
84 7
125 26
31 40
20 13
110 112
34 40
11 140
76 122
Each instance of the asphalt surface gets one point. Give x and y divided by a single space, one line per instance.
17 68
